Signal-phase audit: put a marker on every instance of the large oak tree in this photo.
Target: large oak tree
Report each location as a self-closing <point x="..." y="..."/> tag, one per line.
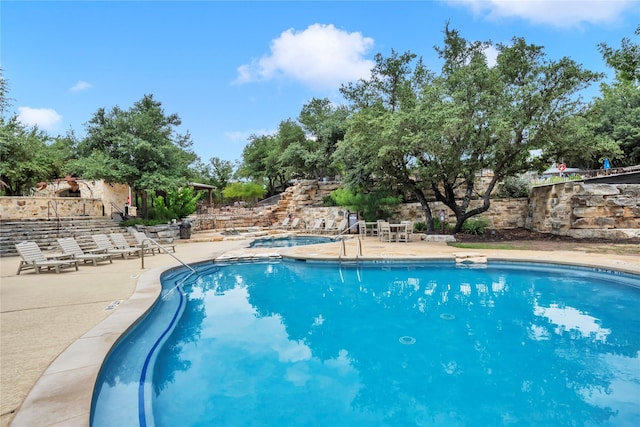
<point x="138" y="146"/>
<point x="423" y="132"/>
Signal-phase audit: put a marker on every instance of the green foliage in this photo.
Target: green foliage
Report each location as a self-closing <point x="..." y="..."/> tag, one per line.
<point x="329" y="201"/>
<point x="138" y="146"/>
<point x="261" y="163"/>
<point x="248" y="192"/>
<point x="615" y="122"/>
<point x="514" y="187"/>
<point x="475" y="226"/>
<point x="182" y="202"/>
<point x="419" y="226"/>
<point x="299" y="150"/>
<point x="625" y="60"/>
<point x="177" y="204"/>
<point x="418" y="131"/>
<point x="26" y="157"/>
<point x="371" y="206"/>
<point x="437" y="226"/>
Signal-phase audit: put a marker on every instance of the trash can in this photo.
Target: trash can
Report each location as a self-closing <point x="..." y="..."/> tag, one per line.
<point x="353" y="223"/>
<point x="185" y="230"/>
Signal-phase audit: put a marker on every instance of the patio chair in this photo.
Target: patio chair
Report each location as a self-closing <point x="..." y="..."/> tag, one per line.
<point x="103" y="242"/>
<point x="33" y="258"/>
<point x="150" y="246"/>
<point x="384" y="231"/>
<point x="284" y="224"/>
<point x="405" y="235"/>
<point x="70" y="246"/>
<point x="294" y="224"/>
<point x="362" y="228"/>
<point x="330" y="227"/>
<point x="120" y="242"/>
<point x="318" y="226"/>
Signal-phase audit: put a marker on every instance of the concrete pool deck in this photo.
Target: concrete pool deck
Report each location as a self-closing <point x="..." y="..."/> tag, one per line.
<point x="55" y="329"/>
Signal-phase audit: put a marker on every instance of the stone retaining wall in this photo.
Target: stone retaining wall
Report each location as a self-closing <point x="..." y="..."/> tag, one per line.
<point x="583" y="210"/>
<point x="96" y="199"/>
<point x="48" y="207"/>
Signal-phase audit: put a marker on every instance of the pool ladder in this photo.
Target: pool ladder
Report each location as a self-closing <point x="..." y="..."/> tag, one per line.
<point x="343" y="249"/>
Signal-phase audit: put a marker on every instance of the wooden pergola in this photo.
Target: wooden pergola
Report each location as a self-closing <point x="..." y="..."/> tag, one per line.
<point x="209" y="188"/>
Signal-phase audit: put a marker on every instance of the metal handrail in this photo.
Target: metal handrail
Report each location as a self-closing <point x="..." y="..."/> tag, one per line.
<point x="269" y="201"/>
<point x="113" y="205"/>
<point x="346" y="230"/>
<point x="148" y="239"/>
<point x="54" y="205"/>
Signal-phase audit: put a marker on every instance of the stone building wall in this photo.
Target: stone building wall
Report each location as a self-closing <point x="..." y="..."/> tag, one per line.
<point x="95" y="200"/>
<point x="15" y="207"/>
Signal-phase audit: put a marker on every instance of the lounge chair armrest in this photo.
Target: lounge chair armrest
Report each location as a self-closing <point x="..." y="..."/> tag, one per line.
<point x="96" y="251"/>
<point x="59" y="256"/>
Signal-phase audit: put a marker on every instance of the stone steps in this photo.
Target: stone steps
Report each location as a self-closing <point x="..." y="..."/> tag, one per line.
<point x="45" y="232"/>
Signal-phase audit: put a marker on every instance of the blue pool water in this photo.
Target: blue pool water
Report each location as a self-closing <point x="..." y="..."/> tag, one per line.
<point x="289" y="343"/>
<point x="287" y="241"/>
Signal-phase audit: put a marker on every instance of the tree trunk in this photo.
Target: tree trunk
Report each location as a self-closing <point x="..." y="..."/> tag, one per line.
<point x="425" y="206"/>
<point x="145" y="211"/>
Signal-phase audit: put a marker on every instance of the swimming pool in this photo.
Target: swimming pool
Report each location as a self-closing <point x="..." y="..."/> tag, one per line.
<point x="288" y="241"/>
<point x="430" y="343"/>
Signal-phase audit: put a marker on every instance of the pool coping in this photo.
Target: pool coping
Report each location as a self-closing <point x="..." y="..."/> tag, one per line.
<point x="64" y="392"/>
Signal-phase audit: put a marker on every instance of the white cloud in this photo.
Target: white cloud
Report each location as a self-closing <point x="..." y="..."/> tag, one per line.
<point x="491" y="53"/>
<point x="244" y="136"/>
<point x="321" y="56"/>
<point x="81" y="85"/>
<point x="565" y="13"/>
<point x="44" y="118"/>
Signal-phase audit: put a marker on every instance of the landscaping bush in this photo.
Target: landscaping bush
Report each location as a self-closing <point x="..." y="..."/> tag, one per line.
<point x="475" y="226"/>
<point x="370" y="205"/>
<point x="329" y="201"/>
<point x="419" y="226"/>
<point x="514" y="187"/>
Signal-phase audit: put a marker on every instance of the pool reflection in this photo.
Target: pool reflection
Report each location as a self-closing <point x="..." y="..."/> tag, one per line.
<point x="505" y="351"/>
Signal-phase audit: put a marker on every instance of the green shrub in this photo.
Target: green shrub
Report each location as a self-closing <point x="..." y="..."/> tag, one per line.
<point x="419" y="226"/>
<point x="370" y="205"/>
<point x="437" y="225"/>
<point x="475" y="226"/>
<point x="514" y="187"/>
<point x="329" y="201"/>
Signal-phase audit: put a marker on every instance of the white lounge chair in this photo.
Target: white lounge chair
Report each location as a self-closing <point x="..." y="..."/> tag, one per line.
<point x="141" y="237"/>
<point x="317" y="226"/>
<point x="33" y="258"/>
<point x="120" y="242"/>
<point x="103" y="242"/>
<point x="70" y="246"/>
<point x="294" y="224"/>
<point x="330" y="227"/>
<point x="284" y="224"/>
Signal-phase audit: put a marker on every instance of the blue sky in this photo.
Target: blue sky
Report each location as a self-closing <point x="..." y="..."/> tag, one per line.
<point x="232" y="69"/>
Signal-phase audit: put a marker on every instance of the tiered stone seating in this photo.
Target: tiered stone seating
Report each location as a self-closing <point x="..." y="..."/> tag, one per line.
<point x="45" y="232"/>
